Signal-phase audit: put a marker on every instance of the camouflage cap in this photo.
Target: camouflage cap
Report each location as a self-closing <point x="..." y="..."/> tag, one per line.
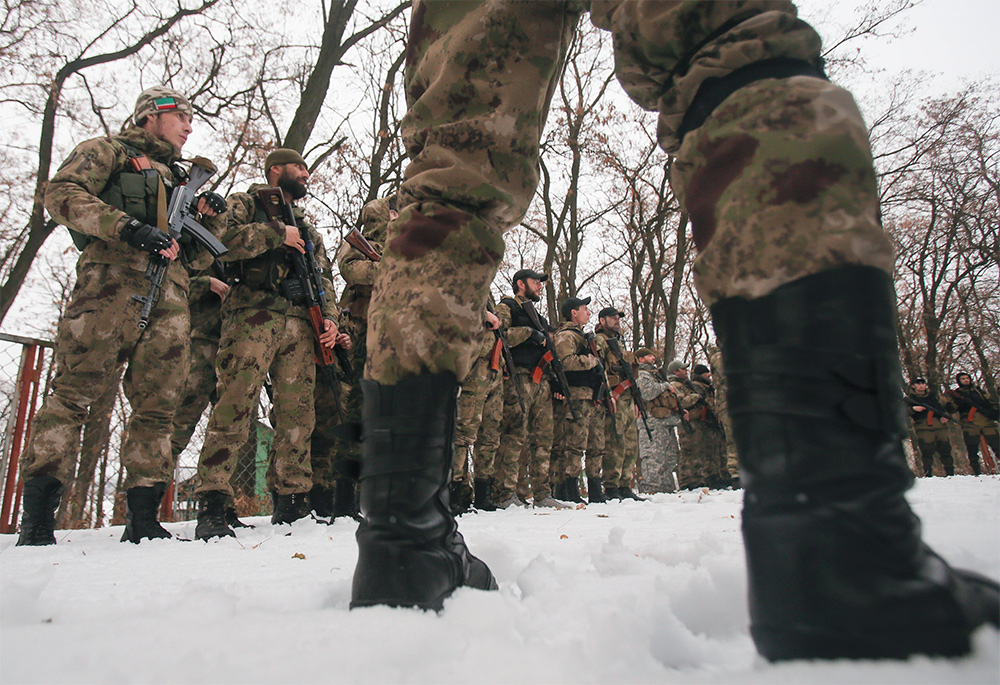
<point x="159" y="99"/>
<point x="676" y="365"/>
<point x="644" y="352"/>
<point x="282" y="155"/>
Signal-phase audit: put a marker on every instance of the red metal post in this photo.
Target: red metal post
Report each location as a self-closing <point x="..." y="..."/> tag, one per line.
<point x="28" y="376"/>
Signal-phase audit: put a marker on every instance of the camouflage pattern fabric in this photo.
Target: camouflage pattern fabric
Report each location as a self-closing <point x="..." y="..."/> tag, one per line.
<point x="717" y="365"/>
<point x="659" y="455"/>
<point x="778" y="181"/>
<point x="488" y="438"/>
<point x="702" y="459"/>
<point x="96" y="334"/>
<point x="597" y="436"/>
<point x="471" y="405"/>
<point x="531" y="432"/>
<point x="325" y="448"/>
<point x="621" y="445"/>
<point x="933" y="434"/>
<point x="570" y="436"/>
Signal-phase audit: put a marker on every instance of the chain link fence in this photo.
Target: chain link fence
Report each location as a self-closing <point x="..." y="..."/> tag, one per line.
<point x="94" y="497"/>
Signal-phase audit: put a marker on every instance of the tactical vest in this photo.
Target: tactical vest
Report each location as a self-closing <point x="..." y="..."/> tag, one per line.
<point x="589" y="378"/>
<point x="133" y="192"/>
<point x="266" y="271"/>
<point x="663" y="405"/>
<point x="527" y="354"/>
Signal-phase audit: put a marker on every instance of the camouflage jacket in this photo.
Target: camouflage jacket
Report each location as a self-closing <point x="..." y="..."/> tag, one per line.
<point x="578" y="361"/>
<point x="72" y="199"/>
<point x="248" y="235"/>
<point x="687" y="395"/>
<point x="974" y="406"/>
<point x="658" y="393"/>
<point x="206" y="309"/>
<point x="613" y="361"/>
<point x="925" y="420"/>
<point x="357" y="270"/>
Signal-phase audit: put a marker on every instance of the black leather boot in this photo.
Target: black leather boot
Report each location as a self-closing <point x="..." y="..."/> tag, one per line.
<point x="212" y="517"/>
<point x="140" y="519"/>
<point x="40" y="498"/>
<point x="290" y="508"/>
<point x="484" y="494"/>
<point x="595" y="493"/>
<point x="460" y="496"/>
<point x="571" y="490"/>
<point x="345" y="501"/>
<point x="625" y="492"/>
<point x="321" y="501"/>
<point x="410" y="552"/>
<point x="835" y="564"/>
<point x="233" y="519"/>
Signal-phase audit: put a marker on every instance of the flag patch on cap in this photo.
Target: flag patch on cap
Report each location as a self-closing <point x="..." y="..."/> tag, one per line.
<point x="164" y="103"/>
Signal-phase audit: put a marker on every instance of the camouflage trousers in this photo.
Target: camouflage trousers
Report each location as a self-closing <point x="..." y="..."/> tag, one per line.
<point x="198" y="392"/>
<point x="659" y="455"/>
<point x="325" y="447"/>
<point x="488" y="438"/>
<point x="597" y="437"/>
<point x="96" y="335"/>
<point x="256" y="342"/>
<point x="621" y="446"/>
<point x="520" y="430"/>
<point x="702" y="460"/>
<point x="476" y="391"/>
<point x="936" y="440"/>
<point x="778" y="181"/>
<point x="570" y="440"/>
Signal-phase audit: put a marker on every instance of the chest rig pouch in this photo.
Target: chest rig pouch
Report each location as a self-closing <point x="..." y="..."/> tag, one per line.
<point x="271" y="270"/>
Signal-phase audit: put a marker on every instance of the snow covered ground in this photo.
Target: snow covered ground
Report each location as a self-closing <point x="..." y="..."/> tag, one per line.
<point x="614" y="593"/>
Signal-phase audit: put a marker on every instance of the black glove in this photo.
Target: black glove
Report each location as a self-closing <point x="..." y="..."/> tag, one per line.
<point x="214" y="200"/>
<point x="144" y="237"/>
<point x="537" y="337"/>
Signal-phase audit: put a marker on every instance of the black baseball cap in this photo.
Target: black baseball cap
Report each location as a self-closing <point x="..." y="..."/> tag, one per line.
<point x="609" y="311"/>
<point x="918" y="379"/>
<point x="570" y="304"/>
<point x="525" y="274"/>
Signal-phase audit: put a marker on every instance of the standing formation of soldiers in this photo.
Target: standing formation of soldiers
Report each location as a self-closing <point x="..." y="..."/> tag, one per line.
<point x="773" y="167"/>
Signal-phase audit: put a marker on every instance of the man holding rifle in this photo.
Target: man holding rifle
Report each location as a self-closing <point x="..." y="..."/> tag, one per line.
<point x="112" y="193"/>
<point x="978" y="416"/>
<point x="930" y="415"/>
<point x="266" y="329"/>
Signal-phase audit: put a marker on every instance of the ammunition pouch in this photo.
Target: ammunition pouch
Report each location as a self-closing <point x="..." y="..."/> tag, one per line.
<point x="269" y="271"/>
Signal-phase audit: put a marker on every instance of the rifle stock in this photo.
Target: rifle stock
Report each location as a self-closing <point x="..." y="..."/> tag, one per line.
<point x="555" y="363"/>
<point x="359" y="242"/>
<point x="604" y="395"/>
<point x="633" y="385"/>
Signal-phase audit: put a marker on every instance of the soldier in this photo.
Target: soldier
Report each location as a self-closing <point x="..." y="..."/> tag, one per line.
<point x="929" y="415"/>
<point x="701" y="459"/>
<point x="264" y="332"/>
<point x="112" y="194"/>
<point x="775" y="171"/>
<point x="715" y="362"/>
<point x="621" y="442"/>
<point x="978" y="417"/>
<point x="585" y="379"/>
<point x="484" y="378"/>
<point x="205" y="300"/>
<point x="659" y="454"/>
<point x="358" y="270"/>
<point x="529" y="431"/>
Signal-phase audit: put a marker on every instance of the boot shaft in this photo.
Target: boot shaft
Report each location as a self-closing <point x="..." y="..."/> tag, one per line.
<point x="40" y="498"/>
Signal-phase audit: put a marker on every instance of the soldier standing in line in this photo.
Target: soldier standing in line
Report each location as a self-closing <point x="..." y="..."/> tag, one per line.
<point x="701" y="455"/>
<point x="529" y="431"/>
<point x="112" y="194"/>
<point x="621" y="442"/>
<point x="264" y="332"/>
<point x="659" y="454"/>
<point x="484" y="377"/>
<point x="709" y="412"/>
<point x="774" y="167"/>
<point x="598" y="433"/>
<point x="929" y="414"/>
<point x="717" y="365"/>
<point x="584" y="378"/>
<point x="978" y="417"/>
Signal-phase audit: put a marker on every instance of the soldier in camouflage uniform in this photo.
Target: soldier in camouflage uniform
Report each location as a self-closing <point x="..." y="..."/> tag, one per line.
<point x="659" y="454"/>
<point x="528" y="432"/>
<point x="931" y="426"/>
<point x="702" y="458"/>
<point x="775" y="171"/>
<point x="484" y="378"/>
<point x="717" y="365"/>
<point x="978" y="416"/>
<point x="112" y="194"/>
<point x="621" y="441"/>
<point x="584" y="378"/>
<point x="263" y="332"/>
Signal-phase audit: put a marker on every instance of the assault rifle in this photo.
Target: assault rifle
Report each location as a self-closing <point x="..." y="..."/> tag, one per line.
<point x="631" y="383"/>
<point x="550" y="354"/>
<point x="180" y="221"/>
<point x="306" y="287"/>
<point x="939" y="410"/>
<point x="604" y="395"/>
<point x="987" y="411"/>
<point x="359" y="242"/>
<point x="508" y="358"/>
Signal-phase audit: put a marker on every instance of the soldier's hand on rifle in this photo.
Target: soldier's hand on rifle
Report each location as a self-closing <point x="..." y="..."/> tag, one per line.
<point x="917" y="407"/>
<point x="614" y="405"/>
<point x="328" y="338"/>
<point x="149" y="239"/>
<point x="294" y="240"/>
<point x="211" y="204"/>
<point x="492" y="321"/>
<point x="537" y="337"/>
<point x="559" y="396"/>
<point x="344" y="340"/>
<point x="218" y="287"/>
<point x="637" y="412"/>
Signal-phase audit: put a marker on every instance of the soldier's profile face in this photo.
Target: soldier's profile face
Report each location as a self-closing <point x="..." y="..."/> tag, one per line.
<point x="532" y="289"/>
<point x="581" y="315"/>
<point x="293" y="179"/>
<point x="612" y="322"/>
<point x="171" y="127"/>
